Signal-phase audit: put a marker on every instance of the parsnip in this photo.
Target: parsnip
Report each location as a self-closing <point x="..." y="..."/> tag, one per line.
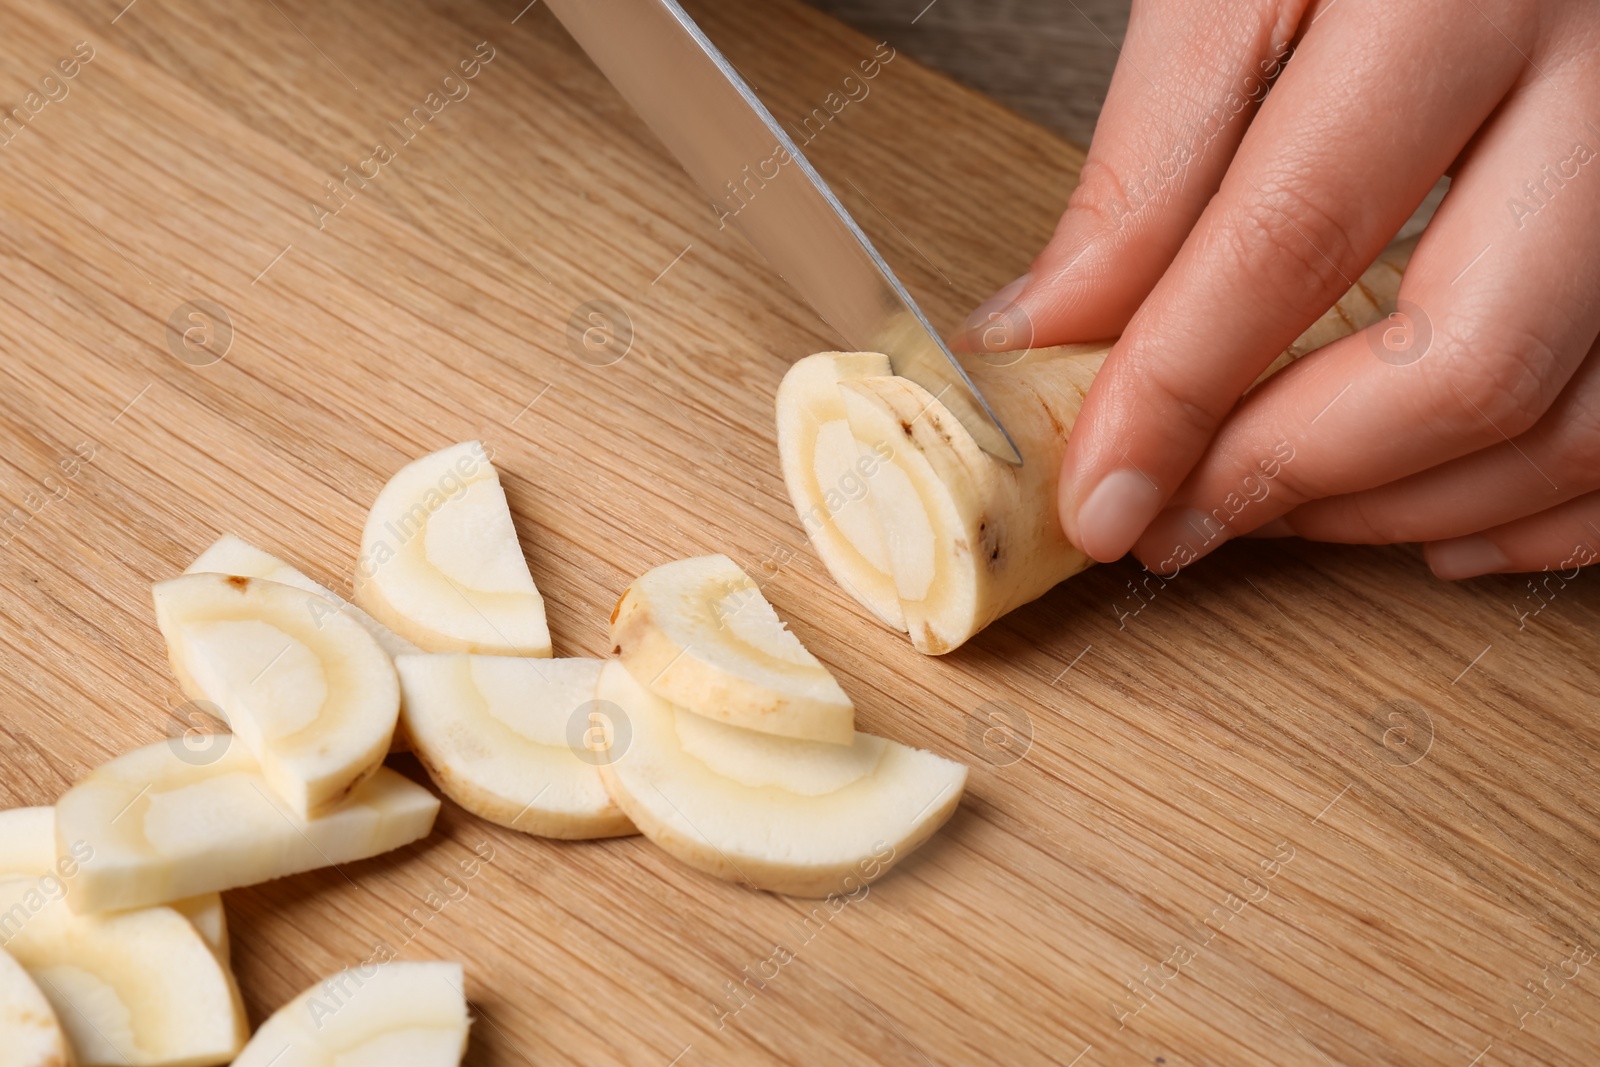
<point x="932" y="535"/>
<point x="28" y="850"/>
<point x="309" y="690"/>
<point x="504" y="737"/>
<point x="30" y="1033"/>
<point x="441" y="564"/>
<point x="699" y="634"/>
<point x="162" y="828"/>
<point x="400" y="1014"/>
<point x="806" y="818"/>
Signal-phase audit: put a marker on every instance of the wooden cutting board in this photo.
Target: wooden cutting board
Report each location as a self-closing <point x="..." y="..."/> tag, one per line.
<point x="1303" y="805"/>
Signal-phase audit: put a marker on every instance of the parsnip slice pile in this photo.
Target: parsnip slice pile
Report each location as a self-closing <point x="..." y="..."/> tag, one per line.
<point x="311" y="692"/>
<point x="28" y="850"/>
<point x="384" y="1015"/>
<point x="699" y="633"/>
<point x="931" y="534"/>
<point x="496" y="733"/>
<point x="163" y="828"/>
<point x="800" y="817"/>
<point x="30" y="1033"/>
<point x="440" y="563"/>
<point x="116" y="939"/>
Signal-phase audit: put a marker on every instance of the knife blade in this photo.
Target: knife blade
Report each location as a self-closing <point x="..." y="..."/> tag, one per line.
<point x="742" y="158"/>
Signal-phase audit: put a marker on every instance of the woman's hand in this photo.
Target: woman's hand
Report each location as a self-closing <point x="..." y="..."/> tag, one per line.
<point x="1215" y="221"/>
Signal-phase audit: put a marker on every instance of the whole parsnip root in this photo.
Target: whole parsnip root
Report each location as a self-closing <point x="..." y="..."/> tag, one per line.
<point x="930" y="533"/>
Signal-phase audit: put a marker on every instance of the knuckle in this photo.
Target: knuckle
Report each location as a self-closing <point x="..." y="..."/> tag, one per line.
<point x="1378" y="525"/>
<point x="1293" y="486"/>
<point x="1575" y="443"/>
<point x="1101" y="195"/>
<point x="1488" y="387"/>
<point x="1183" y="417"/>
<point x="1299" y="246"/>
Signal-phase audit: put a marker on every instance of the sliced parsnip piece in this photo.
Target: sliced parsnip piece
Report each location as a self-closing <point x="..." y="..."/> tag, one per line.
<point x="400" y="1014"/>
<point x="311" y="693"/>
<point x="440" y="562"/>
<point x="30" y="1033"/>
<point x="504" y="737"/>
<point x="231" y="554"/>
<point x="699" y="634"/>
<point x="798" y="817"/>
<point x="164" y="828"/>
<point x="28" y="850"/>
<point x="933" y="535"/>
<point x="136" y="988"/>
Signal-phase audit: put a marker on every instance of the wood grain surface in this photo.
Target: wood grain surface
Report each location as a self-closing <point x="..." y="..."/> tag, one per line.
<point x="1302" y="804"/>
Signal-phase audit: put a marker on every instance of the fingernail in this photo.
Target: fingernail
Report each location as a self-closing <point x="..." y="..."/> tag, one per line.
<point x="1115" y="513"/>
<point x="997" y="303"/>
<point x="1464" y="557"/>
<point x="1275" y="528"/>
<point x="999" y="324"/>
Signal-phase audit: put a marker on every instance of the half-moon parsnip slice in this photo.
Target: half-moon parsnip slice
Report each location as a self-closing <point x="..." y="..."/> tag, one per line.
<point x="311" y="693"/>
<point x="231" y="554"/>
<point x="506" y="737"/>
<point x="441" y="564"/>
<point x="400" y="1014"/>
<point x="798" y="817"/>
<point x="164" y="826"/>
<point x="699" y="634"/>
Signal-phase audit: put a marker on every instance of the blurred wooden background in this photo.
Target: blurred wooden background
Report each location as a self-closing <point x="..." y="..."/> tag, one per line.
<point x="1049" y="60"/>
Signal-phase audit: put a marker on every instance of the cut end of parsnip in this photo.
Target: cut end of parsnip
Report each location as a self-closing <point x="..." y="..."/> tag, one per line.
<point x="779" y="814"/>
<point x="30" y="1033"/>
<point x="886" y="525"/>
<point x="930" y="533"/>
<point x="28" y="850"/>
<point x="440" y="562"/>
<point x="698" y="633"/>
<point x="307" y="688"/>
<point x="826" y="467"/>
<point x="163" y="826"/>
<point x="373" y="1015"/>
<point x="510" y="739"/>
<point x="138" y="988"/>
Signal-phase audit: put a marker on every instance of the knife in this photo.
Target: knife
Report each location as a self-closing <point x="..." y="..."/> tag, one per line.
<point x="700" y="107"/>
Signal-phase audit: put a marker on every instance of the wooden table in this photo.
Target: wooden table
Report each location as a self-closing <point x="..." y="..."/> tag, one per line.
<point x="1303" y="805"/>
